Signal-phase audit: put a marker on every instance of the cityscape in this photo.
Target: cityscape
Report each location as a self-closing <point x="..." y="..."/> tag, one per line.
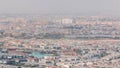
<point x="59" y="41"/>
<point x="59" y="33"/>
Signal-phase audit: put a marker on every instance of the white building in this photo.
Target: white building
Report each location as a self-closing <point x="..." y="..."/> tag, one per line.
<point x="67" y="21"/>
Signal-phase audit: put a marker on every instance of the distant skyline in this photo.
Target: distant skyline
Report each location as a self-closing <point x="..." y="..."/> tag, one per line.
<point x="87" y="7"/>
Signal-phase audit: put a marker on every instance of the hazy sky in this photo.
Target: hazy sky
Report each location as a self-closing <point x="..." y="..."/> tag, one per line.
<point x="60" y="6"/>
